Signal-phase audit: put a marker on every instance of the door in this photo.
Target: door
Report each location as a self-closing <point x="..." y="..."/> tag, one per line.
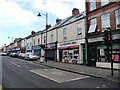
<point x="84" y="56"/>
<point x="93" y="56"/>
<point x="60" y="55"/>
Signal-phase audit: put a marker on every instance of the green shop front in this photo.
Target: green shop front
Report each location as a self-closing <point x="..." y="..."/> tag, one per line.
<point x="97" y="51"/>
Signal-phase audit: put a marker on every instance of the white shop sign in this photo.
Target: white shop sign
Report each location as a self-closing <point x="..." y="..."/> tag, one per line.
<point x="97" y="39"/>
<point x="71" y="43"/>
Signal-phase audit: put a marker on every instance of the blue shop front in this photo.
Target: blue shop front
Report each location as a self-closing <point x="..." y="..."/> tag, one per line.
<point x="37" y="50"/>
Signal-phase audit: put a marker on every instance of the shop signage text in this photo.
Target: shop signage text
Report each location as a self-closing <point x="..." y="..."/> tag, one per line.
<point x="68" y="43"/>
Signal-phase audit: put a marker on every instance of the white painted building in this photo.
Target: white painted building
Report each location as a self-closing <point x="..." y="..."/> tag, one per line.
<point x="71" y="38"/>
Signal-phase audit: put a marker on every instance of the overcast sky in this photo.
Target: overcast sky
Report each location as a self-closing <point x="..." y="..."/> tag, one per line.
<point x="19" y="17"/>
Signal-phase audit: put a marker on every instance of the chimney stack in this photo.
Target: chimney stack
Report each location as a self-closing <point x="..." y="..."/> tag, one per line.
<point x="75" y="11"/>
<point x="33" y="32"/>
<point x="48" y="26"/>
<point x="58" y="21"/>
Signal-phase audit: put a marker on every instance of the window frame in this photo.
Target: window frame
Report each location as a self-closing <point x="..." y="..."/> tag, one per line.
<point x="38" y="40"/>
<point x="92" y="5"/>
<point x="105" y="19"/>
<point x="79" y="28"/>
<point x="104" y="3"/>
<point x="117" y="16"/>
<point x="64" y="33"/>
<point x="44" y="39"/>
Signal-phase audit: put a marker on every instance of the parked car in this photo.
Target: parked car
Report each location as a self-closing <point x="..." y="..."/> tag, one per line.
<point x="15" y="55"/>
<point x="21" y="55"/>
<point x="10" y="54"/>
<point x="30" y="56"/>
<point x="3" y="54"/>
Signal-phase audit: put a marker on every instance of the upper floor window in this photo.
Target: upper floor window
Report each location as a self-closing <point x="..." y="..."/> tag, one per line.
<point x="34" y="41"/>
<point x="117" y="14"/>
<point x="44" y="39"/>
<point x="79" y="29"/>
<point x="64" y="34"/>
<point x="51" y="37"/>
<point x="93" y="24"/>
<point x="93" y="21"/>
<point x="38" y="40"/>
<point x="104" y="2"/>
<point x="92" y="5"/>
<point x="105" y="20"/>
<point x="64" y="31"/>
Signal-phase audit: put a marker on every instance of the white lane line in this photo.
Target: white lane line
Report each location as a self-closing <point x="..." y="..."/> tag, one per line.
<point x="15" y="64"/>
<point x="76" y="79"/>
<point x="45" y="76"/>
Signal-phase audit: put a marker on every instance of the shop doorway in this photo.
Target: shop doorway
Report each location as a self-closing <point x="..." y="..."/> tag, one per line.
<point x="60" y="55"/>
<point x="92" y="55"/>
<point x="84" y="56"/>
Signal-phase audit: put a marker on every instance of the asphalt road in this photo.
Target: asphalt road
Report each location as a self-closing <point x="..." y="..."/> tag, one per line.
<point x="17" y="73"/>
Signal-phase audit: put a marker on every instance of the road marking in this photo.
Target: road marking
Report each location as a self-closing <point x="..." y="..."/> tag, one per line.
<point x="76" y="79"/>
<point x="97" y="87"/>
<point x="45" y="76"/>
<point x="0" y="87"/>
<point x="58" y="75"/>
<point x="103" y="85"/>
<point x="15" y="64"/>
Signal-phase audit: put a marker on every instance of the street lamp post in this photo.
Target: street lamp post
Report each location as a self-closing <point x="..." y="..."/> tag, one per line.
<point x="46" y="15"/>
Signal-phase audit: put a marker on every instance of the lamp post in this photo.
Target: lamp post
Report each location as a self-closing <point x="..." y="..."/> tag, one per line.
<point x="46" y="15"/>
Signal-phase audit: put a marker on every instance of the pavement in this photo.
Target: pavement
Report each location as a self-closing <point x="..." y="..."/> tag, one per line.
<point x="84" y="70"/>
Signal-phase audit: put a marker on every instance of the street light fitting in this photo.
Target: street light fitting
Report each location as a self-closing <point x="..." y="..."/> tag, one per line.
<point x="39" y="14"/>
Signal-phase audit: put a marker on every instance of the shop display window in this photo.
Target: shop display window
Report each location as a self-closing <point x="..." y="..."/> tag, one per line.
<point x="102" y="55"/>
<point x="71" y="54"/>
<point x="116" y="55"/>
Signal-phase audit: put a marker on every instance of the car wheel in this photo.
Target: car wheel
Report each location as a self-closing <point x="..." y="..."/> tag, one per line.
<point x="28" y="59"/>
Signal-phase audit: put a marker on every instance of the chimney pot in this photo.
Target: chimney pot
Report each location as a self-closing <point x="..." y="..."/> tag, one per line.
<point x="48" y="26"/>
<point x="58" y="21"/>
<point x="75" y="11"/>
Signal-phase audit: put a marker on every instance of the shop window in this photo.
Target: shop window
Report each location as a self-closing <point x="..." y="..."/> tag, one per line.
<point x="116" y="55"/>
<point x="101" y="55"/>
<point x="105" y="20"/>
<point x="71" y="54"/>
<point x="92" y="5"/>
<point x="117" y="13"/>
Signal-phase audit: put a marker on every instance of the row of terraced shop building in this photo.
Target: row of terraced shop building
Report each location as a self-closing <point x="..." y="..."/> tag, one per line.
<point x="79" y="38"/>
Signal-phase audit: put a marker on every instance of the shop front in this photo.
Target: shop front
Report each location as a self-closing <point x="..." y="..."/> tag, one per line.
<point x="23" y="49"/>
<point x="71" y="51"/>
<point x="51" y="51"/>
<point x="97" y="52"/>
<point x="37" y="50"/>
